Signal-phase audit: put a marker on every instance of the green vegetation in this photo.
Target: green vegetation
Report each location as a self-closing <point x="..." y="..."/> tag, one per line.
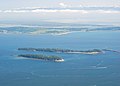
<point x="94" y="51"/>
<point x="56" y="50"/>
<point x="41" y="57"/>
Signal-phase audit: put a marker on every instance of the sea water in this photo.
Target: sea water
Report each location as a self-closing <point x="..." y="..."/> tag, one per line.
<point x="76" y="70"/>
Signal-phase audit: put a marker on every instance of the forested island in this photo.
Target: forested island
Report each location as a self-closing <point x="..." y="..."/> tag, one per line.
<point x="42" y="57"/>
<point x="57" y="50"/>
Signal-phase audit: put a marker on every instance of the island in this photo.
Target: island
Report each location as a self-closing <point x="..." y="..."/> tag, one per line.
<point x="42" y="57"/>
<point x="57" y="50"/>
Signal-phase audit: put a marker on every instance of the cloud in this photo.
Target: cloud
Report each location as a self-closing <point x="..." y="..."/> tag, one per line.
<point x="15" y="11"/>
<point x="108" y="11"/>
<point x="1" y="11"/>
<point x="63" y="5"/>
<point x="43" y="10"/>
<point x="46" y="11"/>
<point x="61" y="10"/>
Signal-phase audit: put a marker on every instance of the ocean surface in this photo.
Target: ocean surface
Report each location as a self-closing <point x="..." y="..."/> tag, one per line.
<point x="76" y="70"/>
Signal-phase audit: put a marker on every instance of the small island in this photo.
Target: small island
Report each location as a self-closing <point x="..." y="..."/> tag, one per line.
<point x="42" y="57"/>
<point x="57" y="50"/>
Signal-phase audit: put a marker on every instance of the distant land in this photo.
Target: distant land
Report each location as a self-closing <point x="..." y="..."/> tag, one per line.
<point x="55" y="30"/>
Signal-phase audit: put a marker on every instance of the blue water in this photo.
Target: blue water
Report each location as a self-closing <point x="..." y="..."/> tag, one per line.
<point x="77" y="70"/>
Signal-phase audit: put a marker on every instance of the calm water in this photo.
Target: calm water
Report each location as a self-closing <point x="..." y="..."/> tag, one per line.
<point x="77" y="70"/>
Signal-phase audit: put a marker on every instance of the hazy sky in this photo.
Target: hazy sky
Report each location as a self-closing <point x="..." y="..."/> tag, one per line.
<point x="6" y="4"/>
<point x="25" y="11"/>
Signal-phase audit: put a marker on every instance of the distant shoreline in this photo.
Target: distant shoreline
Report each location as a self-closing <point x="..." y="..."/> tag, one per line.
<point x="57" y="30"/>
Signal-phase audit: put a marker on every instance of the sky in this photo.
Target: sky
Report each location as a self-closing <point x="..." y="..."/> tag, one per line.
<point x="61" y="11"/>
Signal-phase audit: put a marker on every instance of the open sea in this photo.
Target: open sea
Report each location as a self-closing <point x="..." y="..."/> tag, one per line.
<point x="76" y="70"/>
